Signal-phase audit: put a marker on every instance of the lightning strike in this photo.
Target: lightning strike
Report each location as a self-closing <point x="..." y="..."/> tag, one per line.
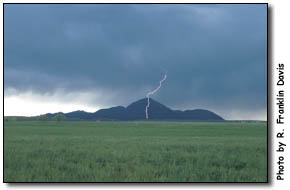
<point x="151" y="93"/>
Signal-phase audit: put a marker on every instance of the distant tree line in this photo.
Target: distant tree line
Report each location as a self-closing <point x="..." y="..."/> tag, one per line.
<point x="58" y="117"/>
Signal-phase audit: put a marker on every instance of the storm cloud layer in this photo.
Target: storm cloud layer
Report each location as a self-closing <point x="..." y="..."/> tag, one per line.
<point x="215" y="55"/>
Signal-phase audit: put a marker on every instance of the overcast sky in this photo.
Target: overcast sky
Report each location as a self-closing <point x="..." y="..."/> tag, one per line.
<point x="87" y="57"/>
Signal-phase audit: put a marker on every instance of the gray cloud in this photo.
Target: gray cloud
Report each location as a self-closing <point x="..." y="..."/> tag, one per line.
<point x="215" y="55"/>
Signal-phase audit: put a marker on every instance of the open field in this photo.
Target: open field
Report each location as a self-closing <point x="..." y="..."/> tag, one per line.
<point x="68" y="151"/>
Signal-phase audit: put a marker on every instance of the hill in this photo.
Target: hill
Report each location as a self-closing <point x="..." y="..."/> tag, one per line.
<point x="136" y="111"/>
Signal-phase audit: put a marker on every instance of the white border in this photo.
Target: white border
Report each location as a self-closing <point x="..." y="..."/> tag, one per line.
<point x="280" y="52"/>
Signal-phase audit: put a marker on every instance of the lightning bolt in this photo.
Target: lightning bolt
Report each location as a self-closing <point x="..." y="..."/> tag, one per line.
<point x="153" y="92"/>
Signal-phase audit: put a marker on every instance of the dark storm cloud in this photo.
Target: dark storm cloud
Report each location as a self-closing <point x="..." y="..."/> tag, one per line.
<point x="215" y="55"/>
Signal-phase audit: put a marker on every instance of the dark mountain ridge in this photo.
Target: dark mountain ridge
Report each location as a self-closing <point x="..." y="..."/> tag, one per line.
<point x="136" y="111"/>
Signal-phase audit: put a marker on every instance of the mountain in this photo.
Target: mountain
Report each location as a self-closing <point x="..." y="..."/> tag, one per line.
<point x="136" y="111"/>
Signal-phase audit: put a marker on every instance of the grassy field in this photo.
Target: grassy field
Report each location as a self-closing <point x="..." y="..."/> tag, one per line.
<point x="67" y="151"/>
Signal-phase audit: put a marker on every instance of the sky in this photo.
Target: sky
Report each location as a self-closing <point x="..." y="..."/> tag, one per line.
<point x="88" y="57"/>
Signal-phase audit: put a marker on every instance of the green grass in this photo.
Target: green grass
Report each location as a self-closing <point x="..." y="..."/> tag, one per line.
<point x="134" y="152"/>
